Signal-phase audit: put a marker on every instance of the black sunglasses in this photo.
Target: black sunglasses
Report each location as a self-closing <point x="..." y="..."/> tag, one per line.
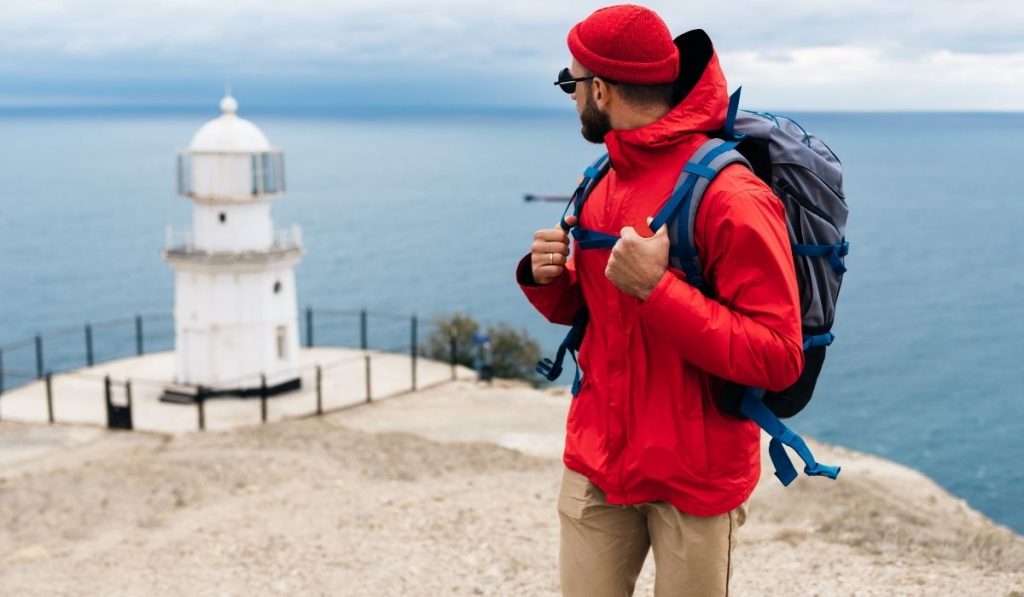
<point x="568" y="83"/>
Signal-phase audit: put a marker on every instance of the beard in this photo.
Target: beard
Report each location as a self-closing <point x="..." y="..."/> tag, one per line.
<point x="595" y="123"/>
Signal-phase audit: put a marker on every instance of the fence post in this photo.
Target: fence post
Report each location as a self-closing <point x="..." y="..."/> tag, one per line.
<point x="309" y="326"/>
<point x="369" y="394"/>
<point x="413" y="350"/>
<point x="200" y="399"/>
<point x="49" y="396"/>
<point x="89" y="359"/>
<point x="363" y="340"/>
<point x="128" y="399"/>
<point x="454" y="347"/>
<point x="138" y="336"/>
<point x="107" y="397"/>
<point x="263" y="398"/>
<point x="319" y="391"/>
<point x="39" y="356"/>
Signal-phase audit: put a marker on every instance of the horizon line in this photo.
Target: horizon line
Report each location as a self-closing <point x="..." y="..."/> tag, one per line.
<point x="161" y="109"/>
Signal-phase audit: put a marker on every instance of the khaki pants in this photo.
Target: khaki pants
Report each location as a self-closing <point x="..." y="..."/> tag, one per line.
<point x="603" y="547"/>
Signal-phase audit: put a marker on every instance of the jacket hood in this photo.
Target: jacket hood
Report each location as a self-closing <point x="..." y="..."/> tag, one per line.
<point x="702" y="107"/>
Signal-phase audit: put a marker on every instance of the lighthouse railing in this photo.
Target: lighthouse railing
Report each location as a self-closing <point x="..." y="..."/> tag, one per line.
<point x="178" y="240"/>
<point x="288" y="238"/>
<point x="182" y="242"/>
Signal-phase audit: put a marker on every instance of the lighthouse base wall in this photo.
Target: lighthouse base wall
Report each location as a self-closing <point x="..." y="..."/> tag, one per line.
<point x="184" y="394"/>
<point x="233" y="326"/>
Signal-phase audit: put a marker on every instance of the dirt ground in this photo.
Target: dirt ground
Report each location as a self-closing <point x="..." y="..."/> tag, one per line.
<point x="446" y="492"/>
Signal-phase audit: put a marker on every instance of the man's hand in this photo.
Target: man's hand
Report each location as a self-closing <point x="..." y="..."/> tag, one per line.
<point x="637" y="263"/>
<point x="549" y="252"/>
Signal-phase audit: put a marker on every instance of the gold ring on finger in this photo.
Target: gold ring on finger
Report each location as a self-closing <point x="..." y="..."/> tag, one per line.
<point x="551" y="258"/>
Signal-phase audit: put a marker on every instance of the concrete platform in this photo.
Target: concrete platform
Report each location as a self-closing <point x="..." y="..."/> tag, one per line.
<point x="79" y="396"/>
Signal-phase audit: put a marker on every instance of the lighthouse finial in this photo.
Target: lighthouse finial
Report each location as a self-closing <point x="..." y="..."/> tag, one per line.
<point x="228" y="105"/>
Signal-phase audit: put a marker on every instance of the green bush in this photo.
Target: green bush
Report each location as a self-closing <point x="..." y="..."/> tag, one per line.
<point x="514" y="354"/>
<point x="438" y="345"/>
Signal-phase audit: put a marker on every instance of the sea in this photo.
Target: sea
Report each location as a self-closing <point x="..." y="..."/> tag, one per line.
<point x="423" y="212"/>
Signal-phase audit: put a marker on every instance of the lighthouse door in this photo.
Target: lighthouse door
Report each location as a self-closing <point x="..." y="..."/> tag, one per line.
<point x="119" y="416"/>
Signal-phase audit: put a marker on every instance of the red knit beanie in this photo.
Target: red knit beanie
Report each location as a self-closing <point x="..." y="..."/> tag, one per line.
<point x="626" y="43"/>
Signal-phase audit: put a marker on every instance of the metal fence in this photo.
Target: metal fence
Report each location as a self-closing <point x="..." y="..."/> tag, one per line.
<point x="76" y="347"/>
<point x="60" y="358"/>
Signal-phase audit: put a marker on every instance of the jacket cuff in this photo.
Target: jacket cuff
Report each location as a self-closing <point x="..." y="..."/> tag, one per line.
<point x="537" y="291"/>
<point x="524" y="273"/>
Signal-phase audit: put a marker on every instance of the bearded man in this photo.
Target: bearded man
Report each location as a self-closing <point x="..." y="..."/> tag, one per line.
<point x="651" y="462"/>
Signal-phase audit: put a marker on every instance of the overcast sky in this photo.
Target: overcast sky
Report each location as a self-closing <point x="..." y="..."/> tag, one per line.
<point x="787" y="54"/>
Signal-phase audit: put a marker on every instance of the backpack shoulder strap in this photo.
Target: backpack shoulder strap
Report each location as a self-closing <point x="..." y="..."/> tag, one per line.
<point x="551" y="369"/>
<point x="680" y="211"/>
<point x="591" y="176"/>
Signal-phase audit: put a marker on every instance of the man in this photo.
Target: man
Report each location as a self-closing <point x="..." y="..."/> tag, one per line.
<point x="650" y="460"/>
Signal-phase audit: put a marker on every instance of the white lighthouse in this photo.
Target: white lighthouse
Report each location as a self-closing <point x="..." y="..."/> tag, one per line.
<point x="235" y="312"/>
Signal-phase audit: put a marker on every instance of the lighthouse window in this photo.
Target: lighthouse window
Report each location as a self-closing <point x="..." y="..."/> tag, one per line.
<point x="277" y="287"/>
<point x="282" y="344"/>
<point x="223" y="217"/>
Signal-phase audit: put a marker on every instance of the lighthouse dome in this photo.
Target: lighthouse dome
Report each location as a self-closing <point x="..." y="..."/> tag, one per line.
<point x="229" y="133"/>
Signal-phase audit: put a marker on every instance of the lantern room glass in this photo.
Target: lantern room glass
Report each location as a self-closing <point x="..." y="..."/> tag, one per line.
<point x="264" y="172"/>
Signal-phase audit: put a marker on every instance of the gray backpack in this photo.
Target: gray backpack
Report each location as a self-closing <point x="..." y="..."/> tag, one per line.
<point x="805" y="174"/>
<point x="808" y="178"/>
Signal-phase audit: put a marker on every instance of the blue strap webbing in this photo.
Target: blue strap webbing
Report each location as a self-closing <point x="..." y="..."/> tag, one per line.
<point x="590" y="176"/>
<point x="551" y="370"/>
<point x="730" y="118"/>
<point x="592" y="239"/>
<point x="754" y="409"/>
<point x="680" y="198"/>
<point x="565" y="226"/>
<point x="825" y="339"/>
<point x="835" y="254"/>
<point x="577" y="379"/>
<point x="700" y="170"/>
<point x="679" y="202"/>
<point x="683" y="193"/>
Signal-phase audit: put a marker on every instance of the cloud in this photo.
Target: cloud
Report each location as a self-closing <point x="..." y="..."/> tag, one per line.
<point x="841" y="78"/>
<point x="860" y="54"/>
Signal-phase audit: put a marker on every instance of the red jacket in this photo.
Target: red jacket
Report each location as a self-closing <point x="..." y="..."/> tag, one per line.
<point x="644" y="426"/>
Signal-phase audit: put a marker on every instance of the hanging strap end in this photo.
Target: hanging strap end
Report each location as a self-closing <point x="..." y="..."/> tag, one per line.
<point x="823" y="470"/>
<point x="549" y="369"/>
<point x="784" y="469"/>
<point x="786" y="477"/>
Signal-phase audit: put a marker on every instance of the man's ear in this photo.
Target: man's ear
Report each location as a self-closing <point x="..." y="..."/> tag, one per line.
<point x="601" y="93"/>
